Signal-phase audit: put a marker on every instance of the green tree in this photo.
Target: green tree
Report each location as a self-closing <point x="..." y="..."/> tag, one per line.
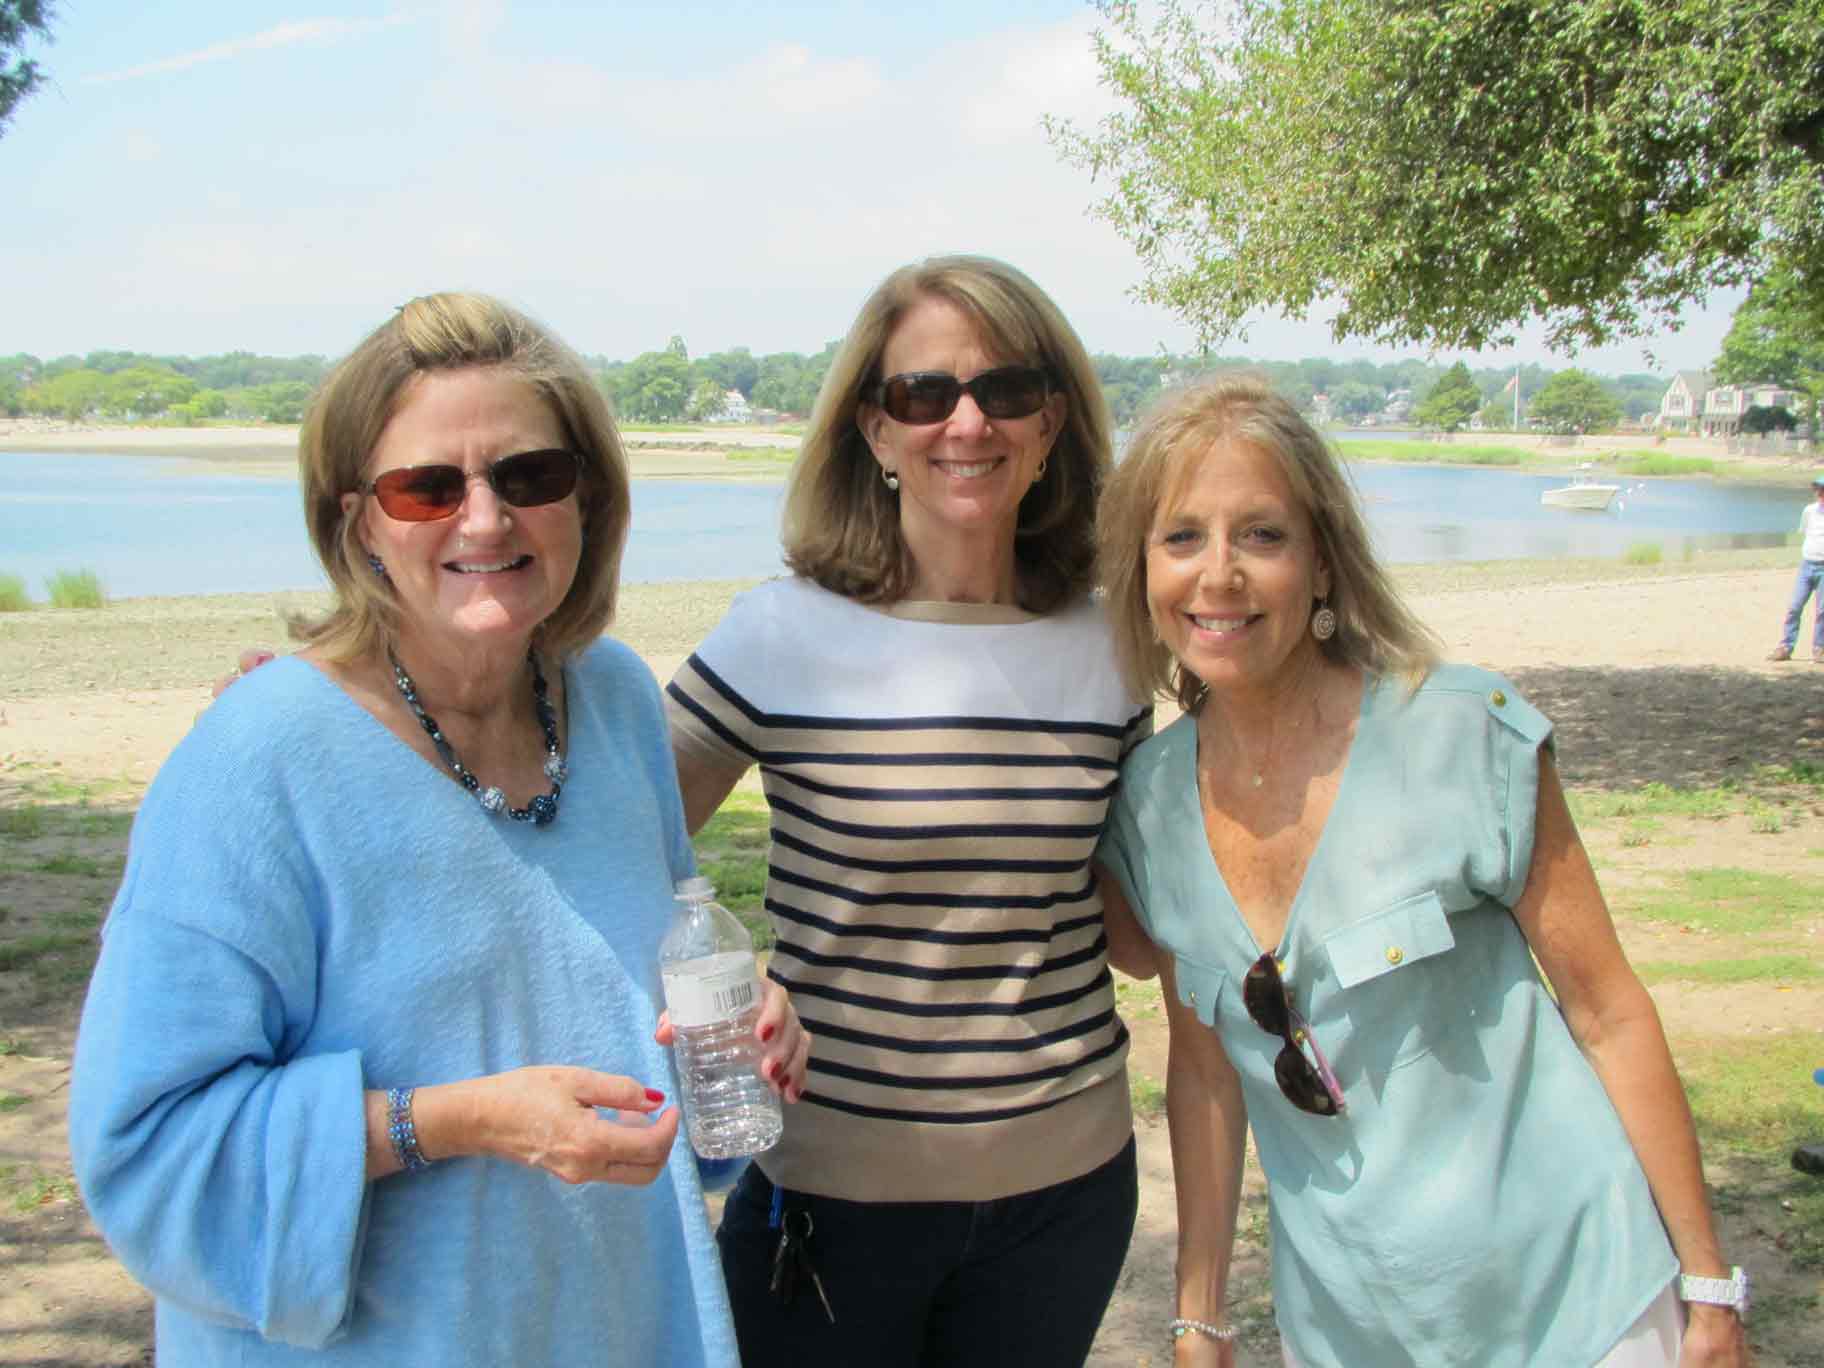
<point x="142" y="391"/>
<point x="1355" y="399"/>
<point x="1777" y="337"/>
<point x="1445" y="170"/>
<point x="71" y="394"/>
<point x="707" y="401"/>
<point x="20" y="76"/>
<point x="1575" y="401"/>
<point x="654" y="387"/>
<point x="1451" y="402"/>
<point x="735" y="369"/>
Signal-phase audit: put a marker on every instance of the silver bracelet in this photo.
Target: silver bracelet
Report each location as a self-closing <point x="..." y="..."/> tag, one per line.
<point x="1184" y="1325"/>
<point x="403" y="1131"/>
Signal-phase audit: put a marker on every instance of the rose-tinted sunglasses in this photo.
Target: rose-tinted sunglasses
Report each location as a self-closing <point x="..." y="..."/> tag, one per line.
<point x="427" y="493"/>
<point x="1307" y="1087"/>
<point x="920" y="398"/>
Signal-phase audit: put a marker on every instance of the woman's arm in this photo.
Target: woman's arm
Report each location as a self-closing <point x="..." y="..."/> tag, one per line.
<point x="1209" y="1128"/>
<point x="1613" y="1020"/>
<point x="704" y="785"/>
<point x="1129" y="949"/>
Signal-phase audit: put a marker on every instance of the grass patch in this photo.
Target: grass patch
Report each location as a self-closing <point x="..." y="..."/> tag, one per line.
<point x="22" y="823"/>
<point x="731" y="853"/>
<point x="75" y="589"/>
<point x="13" y="597"/>
<point x="38" y="1188"/>
<point x="1754" y="1096"/>
<point x="1652" y="800"/>
<point x="1644" y="553"/>
<point x="83" y="866"/>
<point x="1800" y="772"/>
<point x="10" y="1102"/>
<point x="1439" y="453"/>
<point x="1146" y="1094"/>
<point x="1760" y="969"/>
<point x="11" y="1046"/>
<point x="29" y="950"/>
<point x="1726" y="901"/>
<point x="1660" y="463"/>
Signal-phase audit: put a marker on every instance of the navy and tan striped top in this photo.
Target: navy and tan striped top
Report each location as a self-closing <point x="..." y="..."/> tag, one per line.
<point x="938" y="775"/>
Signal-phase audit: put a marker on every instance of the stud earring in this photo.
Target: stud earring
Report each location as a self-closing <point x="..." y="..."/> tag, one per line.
<point x="377" y="565"/>
<point x="1323" y="621"/>
<point x="1040" y="473"/>
<point x="891" y="479"/>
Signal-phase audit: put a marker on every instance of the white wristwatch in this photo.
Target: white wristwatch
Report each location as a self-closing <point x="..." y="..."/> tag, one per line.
<point x="1731" y="1291"/>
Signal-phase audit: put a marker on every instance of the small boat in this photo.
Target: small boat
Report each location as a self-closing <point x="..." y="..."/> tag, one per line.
<point x="1582" y="492"/>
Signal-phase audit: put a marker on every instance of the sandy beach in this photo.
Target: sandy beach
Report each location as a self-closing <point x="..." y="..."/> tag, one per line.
<point x="1654" y="675"/>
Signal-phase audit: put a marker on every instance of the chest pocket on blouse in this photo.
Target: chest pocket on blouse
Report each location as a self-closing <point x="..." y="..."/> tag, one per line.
<point x="1387" y="971"/>
<point x="1200" y="987"/>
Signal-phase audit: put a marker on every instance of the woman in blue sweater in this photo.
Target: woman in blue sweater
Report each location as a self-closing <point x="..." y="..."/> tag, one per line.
<point x="368" y="1065"/>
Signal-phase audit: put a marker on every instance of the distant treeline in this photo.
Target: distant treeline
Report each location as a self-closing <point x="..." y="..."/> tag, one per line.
<point x="670" y="385"/>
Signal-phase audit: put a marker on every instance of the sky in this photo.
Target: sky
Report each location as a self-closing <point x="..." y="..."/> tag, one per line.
<point x="200" y="178"/>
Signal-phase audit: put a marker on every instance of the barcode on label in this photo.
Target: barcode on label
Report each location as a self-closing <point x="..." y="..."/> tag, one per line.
<point x="736" y="999"/>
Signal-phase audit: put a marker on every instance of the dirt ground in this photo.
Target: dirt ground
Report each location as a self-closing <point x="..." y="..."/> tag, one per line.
<point x="1652" y="677"/>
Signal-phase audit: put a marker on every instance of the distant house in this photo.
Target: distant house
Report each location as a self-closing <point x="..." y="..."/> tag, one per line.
<point x="734" y="409"/>
<point x="1681" y="407"/>
<point x="1726" y="406"/>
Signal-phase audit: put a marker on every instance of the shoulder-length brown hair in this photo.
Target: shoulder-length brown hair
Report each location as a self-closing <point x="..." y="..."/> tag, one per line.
<point x="444" y="332"/>
<point x="1374" y="628"/>
<point x="841" y="523"/>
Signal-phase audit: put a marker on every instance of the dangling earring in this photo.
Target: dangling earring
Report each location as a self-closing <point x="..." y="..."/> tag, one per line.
<point x="1323" y="621"/>
<point x="891" y="477"/>
<point x="378" y="566"/>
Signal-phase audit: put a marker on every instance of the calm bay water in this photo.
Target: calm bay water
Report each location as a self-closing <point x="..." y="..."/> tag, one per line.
<point x="148" y="526"/>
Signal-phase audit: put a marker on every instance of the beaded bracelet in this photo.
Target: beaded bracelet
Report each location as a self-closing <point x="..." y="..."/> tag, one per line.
<point x="1184" y="1325"/>
<point x="402" y="1132"/>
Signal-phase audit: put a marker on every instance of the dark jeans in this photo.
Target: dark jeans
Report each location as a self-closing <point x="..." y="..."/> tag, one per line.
<point x="1018" y="1281"/>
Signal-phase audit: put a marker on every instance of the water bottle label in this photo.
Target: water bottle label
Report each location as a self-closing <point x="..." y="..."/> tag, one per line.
<point x="701" y="992"/>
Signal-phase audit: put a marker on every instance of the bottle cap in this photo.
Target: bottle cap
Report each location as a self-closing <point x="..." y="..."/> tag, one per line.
<point x="694" y="887"/>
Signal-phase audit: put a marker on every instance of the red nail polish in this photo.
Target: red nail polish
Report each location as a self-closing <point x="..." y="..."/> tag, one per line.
<point x="767" y="1033"/>
<point x="654" y="1095"/>
<point x="773" y="1069"/>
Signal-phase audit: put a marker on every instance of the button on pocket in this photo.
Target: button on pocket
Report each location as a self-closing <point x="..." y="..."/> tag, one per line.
<point x="1411" y="930"/>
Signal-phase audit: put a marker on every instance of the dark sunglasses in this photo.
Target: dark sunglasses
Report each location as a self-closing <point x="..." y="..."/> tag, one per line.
<point x="428" y="492"/>
<point x="923" y="397"/>
<point x="1307" y="1087"/>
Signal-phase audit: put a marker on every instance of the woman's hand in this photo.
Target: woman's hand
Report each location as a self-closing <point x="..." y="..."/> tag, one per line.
<point x="785" y="1046"/>
<point x="248" y="661"/>
<point x="545" y="1117"/>
<point x="1714" y="1338"/>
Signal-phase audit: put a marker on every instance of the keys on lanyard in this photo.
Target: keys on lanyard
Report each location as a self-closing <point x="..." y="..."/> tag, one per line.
<point x="792" y="1255"/>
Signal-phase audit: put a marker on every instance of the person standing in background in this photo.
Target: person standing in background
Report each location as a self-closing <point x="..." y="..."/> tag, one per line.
<point x="1809" y="582"/>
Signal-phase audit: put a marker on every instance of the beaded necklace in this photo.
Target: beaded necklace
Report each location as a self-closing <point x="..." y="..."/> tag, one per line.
<point x="542" y="810"/>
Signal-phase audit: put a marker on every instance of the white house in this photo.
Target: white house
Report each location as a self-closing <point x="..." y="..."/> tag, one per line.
<point x="1681" y="407"/>
<point x="734" y="409"/>
<point x="1726" y="406"/>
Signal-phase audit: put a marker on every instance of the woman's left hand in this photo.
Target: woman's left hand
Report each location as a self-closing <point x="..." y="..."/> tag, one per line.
<point x="1714" y="1338"/>
<point x="785" y="1046"/>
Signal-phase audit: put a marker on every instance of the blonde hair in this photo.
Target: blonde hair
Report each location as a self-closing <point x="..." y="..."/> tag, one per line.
<point x="841" y="523"/>
<point x="447" y="332"/>
<point x="1374" y="628"/>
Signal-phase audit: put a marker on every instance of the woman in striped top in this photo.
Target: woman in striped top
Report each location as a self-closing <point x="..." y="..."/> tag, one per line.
<point x="933" y="703"/>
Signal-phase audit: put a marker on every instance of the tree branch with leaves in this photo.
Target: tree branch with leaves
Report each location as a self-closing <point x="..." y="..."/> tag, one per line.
<point x="1446" y="172"/>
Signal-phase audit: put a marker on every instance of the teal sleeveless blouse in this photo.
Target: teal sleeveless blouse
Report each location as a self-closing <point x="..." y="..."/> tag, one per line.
<point x="1479" y="1202"/>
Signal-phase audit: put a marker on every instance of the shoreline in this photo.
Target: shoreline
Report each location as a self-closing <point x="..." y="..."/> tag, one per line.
<point x="760" y="454"/>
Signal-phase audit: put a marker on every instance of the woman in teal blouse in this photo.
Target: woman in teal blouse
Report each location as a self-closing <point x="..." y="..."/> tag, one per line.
<point x="1348" y="857"/>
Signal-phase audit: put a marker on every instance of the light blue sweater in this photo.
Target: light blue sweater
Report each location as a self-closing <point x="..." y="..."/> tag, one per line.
<point x="310" y="910"/>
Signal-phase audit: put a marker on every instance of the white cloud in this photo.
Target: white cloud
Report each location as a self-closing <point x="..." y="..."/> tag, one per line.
<point x="285" y="34"/>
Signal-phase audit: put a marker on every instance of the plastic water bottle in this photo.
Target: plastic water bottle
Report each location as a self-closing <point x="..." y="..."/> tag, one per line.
<point x="713" y="993"/>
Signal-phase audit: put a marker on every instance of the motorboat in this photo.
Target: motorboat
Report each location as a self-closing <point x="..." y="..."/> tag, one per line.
<point x="1582" y="492"/>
